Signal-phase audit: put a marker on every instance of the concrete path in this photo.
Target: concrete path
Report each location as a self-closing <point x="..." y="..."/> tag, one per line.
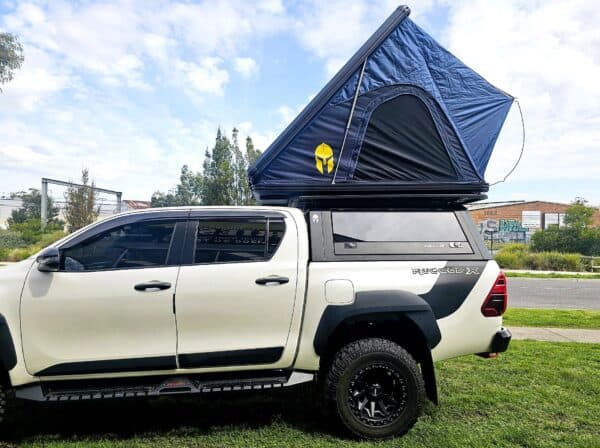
<point x="556" y="334"/>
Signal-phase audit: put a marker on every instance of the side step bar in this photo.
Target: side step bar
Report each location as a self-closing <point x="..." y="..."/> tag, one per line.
<point x="169" y="386"/>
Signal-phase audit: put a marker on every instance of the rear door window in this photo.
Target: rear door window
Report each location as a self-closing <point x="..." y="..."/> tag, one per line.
<point x="381" y="233"/>
<point x="231" y="240"/>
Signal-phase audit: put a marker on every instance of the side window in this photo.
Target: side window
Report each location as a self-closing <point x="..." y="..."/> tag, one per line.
<point x="385" y="233"/>
<point x="231" y="240"/>
<point x="276" y="232"/>
<point x="137" y="245"/>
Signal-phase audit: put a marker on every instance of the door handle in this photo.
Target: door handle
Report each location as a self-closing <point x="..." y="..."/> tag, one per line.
<point x="154" y="284"/>
<point x="272" y="280"/>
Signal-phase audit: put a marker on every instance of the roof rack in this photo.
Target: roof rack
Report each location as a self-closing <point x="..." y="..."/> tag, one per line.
<point x="371" y="197"/>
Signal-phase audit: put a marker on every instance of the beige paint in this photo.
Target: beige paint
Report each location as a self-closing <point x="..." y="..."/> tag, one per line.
<point x="88" y="316"/>
<point x="467" y="331"/>
<point x="221" y="308"/>
<point x="97" y="315"/>
<point x="464" y="331"/>
<point x="339" y="292"/>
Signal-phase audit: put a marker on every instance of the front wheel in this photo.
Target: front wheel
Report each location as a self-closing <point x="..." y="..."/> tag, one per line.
<point x="375" y="388"/>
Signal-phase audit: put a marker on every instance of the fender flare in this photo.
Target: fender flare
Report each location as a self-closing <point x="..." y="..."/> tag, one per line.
<point x="8" y="355"/>
<point x="385" y="306"/>
<point x="378" y="306"/>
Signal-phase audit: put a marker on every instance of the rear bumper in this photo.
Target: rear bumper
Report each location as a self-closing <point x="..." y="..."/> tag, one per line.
<point x="501" y="340"/>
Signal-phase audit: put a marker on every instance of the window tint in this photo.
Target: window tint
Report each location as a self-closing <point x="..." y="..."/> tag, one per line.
<point x="237" y="240"/>
<point x="137" y="245"/>
<point x="398" y="232"/>
<point x="276" y="231"/>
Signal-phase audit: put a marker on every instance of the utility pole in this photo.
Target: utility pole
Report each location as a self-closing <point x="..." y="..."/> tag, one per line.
<point x="44" y="204"/>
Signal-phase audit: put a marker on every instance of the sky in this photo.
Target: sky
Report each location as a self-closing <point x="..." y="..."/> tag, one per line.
<point x="134" y="89"/>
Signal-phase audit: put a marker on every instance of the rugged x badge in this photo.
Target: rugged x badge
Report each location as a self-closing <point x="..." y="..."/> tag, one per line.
<point x="324" y="158"/>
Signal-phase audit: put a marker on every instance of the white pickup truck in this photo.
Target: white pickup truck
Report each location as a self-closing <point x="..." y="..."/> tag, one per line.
<point x="211" y="299"/>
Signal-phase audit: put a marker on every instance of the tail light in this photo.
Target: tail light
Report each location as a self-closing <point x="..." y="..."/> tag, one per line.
<point x="496" y="301"/>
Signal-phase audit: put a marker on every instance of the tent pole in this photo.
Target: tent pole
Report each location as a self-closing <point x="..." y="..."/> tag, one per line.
<point x="360" y="77"/>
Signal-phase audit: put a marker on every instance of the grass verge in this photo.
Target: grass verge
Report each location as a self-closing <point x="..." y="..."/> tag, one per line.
<point x="553" y="275"/>
<point x="536" y="394"/>
<point x="529" y="317"/>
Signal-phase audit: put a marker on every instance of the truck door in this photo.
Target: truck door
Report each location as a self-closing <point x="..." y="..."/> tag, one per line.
<point x="235" y="300"/>
<point x="110" y="306"/>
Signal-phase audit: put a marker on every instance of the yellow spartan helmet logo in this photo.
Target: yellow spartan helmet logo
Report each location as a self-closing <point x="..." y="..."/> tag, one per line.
<point x="324" y="158"/>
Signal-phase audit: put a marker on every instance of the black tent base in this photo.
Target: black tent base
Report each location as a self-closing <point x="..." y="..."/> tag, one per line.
<point x="371" y="196"/>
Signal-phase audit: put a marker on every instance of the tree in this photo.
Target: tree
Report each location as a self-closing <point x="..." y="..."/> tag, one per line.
<point x="252" y="155"/>
<point x="223" y="180"/>
<point x="11" y="56"/>
<point x="218" y="174"/>
<point x="577" y="236"/>
<point x="252" y="152"/>
<point x="80" y="207"/>
<point x="31" y="207"/>
<point x="579" y="216"/>
<point x="187" y="192"/>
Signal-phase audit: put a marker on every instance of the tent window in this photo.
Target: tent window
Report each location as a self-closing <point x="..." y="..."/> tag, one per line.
<point x="402" y="143"/>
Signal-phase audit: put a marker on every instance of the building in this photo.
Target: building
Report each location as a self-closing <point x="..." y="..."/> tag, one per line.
<point x="518" y="220"/>
<point x="131" y="204"/>
<point x="7" y="205"/>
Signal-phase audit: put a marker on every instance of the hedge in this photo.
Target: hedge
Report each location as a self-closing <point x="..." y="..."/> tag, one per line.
<point x="518" y="256"/>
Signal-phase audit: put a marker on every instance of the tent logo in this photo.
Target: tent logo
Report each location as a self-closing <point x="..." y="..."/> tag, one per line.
<point x="324" y="158"/>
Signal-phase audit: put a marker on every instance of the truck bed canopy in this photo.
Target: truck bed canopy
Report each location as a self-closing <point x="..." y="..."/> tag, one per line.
<point x="403" y="116"/>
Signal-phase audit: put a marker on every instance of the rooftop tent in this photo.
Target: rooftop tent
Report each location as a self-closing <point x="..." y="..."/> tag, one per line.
<point x="403" y="116"/>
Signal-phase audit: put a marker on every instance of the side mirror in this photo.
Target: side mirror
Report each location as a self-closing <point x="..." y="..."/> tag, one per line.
<point x="49" y="260"/>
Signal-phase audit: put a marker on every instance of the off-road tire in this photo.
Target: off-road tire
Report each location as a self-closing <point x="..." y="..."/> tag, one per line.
<point x="358" y="358"/>
<point x="7" y="407"/>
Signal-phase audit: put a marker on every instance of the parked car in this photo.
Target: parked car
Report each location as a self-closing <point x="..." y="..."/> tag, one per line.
<point x="210" y="299"/>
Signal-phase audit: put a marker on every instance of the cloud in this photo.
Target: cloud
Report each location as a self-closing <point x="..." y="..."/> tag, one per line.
<point x="548" y="55"/>
<point x="34" y="83"/>
<point x="287" y="113"/>
<point x="207" y="76"/>
<point x="334" y="29"/>
<point x="245" y="66"/>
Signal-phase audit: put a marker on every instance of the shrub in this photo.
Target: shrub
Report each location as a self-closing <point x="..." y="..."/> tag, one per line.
<point x="49" y="238"/>
<point x="21" y="253"/>
<point x="556" y="261"/>
<point x="10" y="239"/>
<point x="31" y="230"/>
<point x="518" y="256"/>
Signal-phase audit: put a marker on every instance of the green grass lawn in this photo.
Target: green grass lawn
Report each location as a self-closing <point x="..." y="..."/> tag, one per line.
<point x="532" y="317"/>
<point x="589" y="276"/>
<point x="537" y="394"/>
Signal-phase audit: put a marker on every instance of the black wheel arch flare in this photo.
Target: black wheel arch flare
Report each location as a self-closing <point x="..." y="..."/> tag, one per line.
<point x="8" y="355"/>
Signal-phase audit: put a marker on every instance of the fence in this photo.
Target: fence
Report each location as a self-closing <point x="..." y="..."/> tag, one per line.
<point x="591" y="263"/>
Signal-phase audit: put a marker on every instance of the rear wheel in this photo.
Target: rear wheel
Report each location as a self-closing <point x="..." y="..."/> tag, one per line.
<point x="375" y="388"/>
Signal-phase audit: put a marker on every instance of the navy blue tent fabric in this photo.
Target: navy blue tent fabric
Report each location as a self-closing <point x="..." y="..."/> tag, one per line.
<point x="420" y="118"/>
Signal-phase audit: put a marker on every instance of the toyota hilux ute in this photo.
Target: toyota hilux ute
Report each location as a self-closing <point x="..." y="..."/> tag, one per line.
<point x="201" y="300"/>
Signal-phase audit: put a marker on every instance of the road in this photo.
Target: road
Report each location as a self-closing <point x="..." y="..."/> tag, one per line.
<point x="554" y="293"/>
